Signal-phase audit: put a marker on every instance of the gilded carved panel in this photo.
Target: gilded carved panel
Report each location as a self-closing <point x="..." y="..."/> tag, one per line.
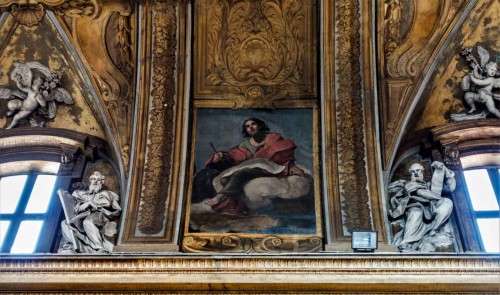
<point x="254" y="52"/>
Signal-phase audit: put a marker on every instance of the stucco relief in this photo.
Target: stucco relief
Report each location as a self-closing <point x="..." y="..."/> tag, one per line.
<point x="101" y="32"/>
<point x="479" y="85"/>
<point x="159" y="164"/>
<point x="246" y="43"/>
<point x="30" y="14"/>
<point x="38" y="92"/>
<point x="406" y="52"/>
<point x="351" y="148"/>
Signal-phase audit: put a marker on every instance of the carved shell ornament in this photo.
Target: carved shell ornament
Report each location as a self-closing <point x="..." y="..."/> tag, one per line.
<point x="29" y="15"/>
<point x="31" y="12"/>
<point x="38" y="92"/>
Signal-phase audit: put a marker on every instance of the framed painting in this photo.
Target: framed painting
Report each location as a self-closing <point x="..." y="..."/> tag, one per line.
<point x="254" y="181"/>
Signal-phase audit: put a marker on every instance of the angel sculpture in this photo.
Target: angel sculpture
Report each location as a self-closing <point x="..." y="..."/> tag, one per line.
<point x="34" y="93"/>
<point x="479" y="84"/>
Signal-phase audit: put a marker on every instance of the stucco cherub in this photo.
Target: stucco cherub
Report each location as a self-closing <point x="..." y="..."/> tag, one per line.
<point x="479" y="85"/>
<point x="35" y="93"/>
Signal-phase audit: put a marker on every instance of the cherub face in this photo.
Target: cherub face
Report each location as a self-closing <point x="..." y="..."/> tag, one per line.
<point x="491" y="69"/>
<point x="36" y="84"/>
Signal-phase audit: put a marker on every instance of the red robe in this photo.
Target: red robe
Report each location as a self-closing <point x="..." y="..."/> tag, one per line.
<point x="276" y="148"/>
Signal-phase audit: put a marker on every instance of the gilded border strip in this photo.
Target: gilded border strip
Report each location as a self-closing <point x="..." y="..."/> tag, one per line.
<point x="351" y="147"/>
<point x="158" y="165"/>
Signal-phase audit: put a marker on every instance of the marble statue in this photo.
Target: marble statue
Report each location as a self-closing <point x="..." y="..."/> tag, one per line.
<point x="420" y="209"/>
<point x="479" y="85"/>
<point x="39" y="92"/>
<point x="91" y="216"/>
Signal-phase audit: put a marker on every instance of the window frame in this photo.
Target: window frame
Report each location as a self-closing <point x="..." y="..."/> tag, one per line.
<point x="21" y="147"/>
<point x="494" y="177"/>
<point x="50" y="218"/>
<point x="463" y="146"/>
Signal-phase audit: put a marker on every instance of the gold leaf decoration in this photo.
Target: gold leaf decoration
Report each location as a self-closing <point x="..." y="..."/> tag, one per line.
<point x="247" y="44"/>
<point x="76" y="8"/>
<point x="28" y="15"/>
<point x="32" y="12"/>
<point x="242" y="244"/>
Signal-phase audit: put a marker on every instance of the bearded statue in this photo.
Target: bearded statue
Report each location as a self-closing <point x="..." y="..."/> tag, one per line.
<point x="90" y="218"/>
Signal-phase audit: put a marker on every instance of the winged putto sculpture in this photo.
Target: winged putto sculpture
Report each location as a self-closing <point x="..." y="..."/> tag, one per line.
<point x="479" y="86"/>
<point x="38" y="90"/>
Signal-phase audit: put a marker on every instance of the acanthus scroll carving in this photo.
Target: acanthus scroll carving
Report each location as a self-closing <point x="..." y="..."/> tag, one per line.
<point x="234" y="243"/>
<point x="248" y="47"/>
<point x="256" y="97"/>
<point x="249" y="43"/>
<point x="77" y="8"/>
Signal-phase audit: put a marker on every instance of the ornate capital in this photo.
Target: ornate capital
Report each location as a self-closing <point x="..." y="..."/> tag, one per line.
<point x="451" y="153"/>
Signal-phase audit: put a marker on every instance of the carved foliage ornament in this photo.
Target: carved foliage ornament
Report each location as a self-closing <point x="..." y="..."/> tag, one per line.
<point x="31" y="12"/>
<point x="351" y="147"/>
<point x="248" y="43"/>
<point x="233" y="243"/>
<point x="160" y="144"/>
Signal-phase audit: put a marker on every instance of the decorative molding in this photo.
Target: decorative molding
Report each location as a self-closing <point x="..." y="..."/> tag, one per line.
<point x="315" y="263"/>
<point x="232" y="273"/>
<point x="349" y="99"/>
<point x="242" y="44"/>
<point x="237" y="244"/>
<point x="28" y="15"/>
<point x="158" y="167"/>
<point x="124" y="45"/>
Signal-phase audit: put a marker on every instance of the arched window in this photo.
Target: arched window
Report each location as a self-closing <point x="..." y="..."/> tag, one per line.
<point x="472" y="150"/>
<point x="34" y="163"/>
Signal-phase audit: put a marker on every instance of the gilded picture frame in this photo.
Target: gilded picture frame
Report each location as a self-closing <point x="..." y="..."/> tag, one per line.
<point x="274" y="211"/>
